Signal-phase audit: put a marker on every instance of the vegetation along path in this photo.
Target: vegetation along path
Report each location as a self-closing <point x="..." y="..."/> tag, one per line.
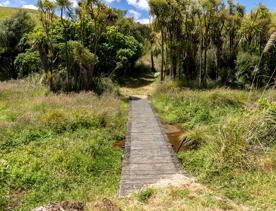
<point x="148" y="155"/>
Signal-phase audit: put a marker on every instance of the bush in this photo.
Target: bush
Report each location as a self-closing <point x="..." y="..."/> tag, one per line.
<point x="101" y="85"/>
<point x="55" y="119"/>
<point x="119" y="51"/>
<point x="28" y="62"/>
<point x="245" y="65"/>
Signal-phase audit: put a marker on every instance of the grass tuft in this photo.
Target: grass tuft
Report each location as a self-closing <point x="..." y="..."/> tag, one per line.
<point x="229" y="137"/>
<point x="144" y="195"/>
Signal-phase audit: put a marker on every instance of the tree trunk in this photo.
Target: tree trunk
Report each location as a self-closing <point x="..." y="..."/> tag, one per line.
<point x="152" y="61"/>
<point x="217" y="61"/>
<point x="162" y="55"/>
<point x="200" y="64"/>
<point x="204" y="75"/>
<point x="45" y="62"/>
<point x="174" y="67"/>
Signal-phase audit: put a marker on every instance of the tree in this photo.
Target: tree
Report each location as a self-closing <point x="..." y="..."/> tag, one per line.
<point x="42" y="40"/>
<point x="11" y="31"/>
<point x="65" y="7"/>
<point x="160" y="11"/>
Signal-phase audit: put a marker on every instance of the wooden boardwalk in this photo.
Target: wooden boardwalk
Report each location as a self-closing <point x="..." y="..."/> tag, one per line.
<point x="148" y="155"/>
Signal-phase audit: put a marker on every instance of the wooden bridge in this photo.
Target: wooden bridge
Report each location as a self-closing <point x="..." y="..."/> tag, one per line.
<point x="148" y="155"/>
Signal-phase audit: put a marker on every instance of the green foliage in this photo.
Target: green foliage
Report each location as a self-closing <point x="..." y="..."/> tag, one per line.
<point x="12" y="30"/>
<point x="246" y="64"/>
<point x="80" y="61"/>
<point x="26" y="63"/>
<point x="119" y="51"/>
<point x="74" y="52"/>
<point x="203" y="38"/>
<point x="65" y="143"/>
<point x="234" y="138"/>
<point x="104" y="85"/>
<point x="144" y="195"/>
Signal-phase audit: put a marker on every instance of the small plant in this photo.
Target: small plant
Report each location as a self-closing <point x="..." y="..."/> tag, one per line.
<point x="145" y="195"/>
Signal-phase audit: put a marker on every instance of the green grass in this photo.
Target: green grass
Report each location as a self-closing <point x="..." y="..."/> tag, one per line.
<point x="145" y="195"/>
<point x="6" y="12"/>
<point x="232" y="143"/>
<point x="56" y="147"/>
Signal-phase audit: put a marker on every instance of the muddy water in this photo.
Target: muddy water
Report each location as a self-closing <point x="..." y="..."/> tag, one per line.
<point x="120" y="144"/>
<point x="173" y="132"/>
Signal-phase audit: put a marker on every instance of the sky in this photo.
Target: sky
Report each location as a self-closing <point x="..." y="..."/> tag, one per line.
<point x="138" y="9"/>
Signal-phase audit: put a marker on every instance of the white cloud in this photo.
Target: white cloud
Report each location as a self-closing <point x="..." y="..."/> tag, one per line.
<point x="134" y="14"/>
<point x="74" y="3"/>
<point x="109" y="1"/>
<point x="143" y="21"/>
<point x="6" y="3"/>
<point x="140" y="4"/>
<point x="1" y="5"/>
<point x="30" y="6"/>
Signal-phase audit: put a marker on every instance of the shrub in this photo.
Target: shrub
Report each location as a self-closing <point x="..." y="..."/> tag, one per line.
<point x="28" y="62"/>
<point x="101" y="85"/>
<point x="245" y="65"/>
<point x="55" y="119"/>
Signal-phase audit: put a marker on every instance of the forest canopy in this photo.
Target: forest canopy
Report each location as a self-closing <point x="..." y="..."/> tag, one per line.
<point x="72" y="47"/>
<point x="200" y="43"/>
<point x="209" y="40"/>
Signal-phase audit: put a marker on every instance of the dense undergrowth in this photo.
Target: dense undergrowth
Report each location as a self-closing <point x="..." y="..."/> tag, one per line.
<point x="230" y="137"/>
<point x="57" y="147"/>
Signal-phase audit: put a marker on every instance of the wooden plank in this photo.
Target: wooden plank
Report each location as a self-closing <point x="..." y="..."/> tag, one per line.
<point x="148" y="155"/>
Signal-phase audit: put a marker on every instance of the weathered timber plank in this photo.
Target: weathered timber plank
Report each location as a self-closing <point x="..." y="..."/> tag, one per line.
<point x="148" y="155"/>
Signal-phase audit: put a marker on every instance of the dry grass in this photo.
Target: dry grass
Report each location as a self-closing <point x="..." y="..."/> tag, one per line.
<point x="177" y="193"/>
<point x="27" y="101"/>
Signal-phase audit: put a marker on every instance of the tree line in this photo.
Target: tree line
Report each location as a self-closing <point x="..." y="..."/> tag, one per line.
<point x="74" y="47"/>
<point x="205" y="41"/>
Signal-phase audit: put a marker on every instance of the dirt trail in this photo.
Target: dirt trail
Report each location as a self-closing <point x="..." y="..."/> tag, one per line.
<point x="140" y="86"/>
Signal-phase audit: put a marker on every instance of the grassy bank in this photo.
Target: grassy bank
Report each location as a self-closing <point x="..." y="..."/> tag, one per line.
<point x="230" y="140"/>
<point x="8" y="12"/>
<point x="56" y="147"/>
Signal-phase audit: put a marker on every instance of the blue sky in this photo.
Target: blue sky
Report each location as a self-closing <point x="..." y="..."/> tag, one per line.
<point x="138" y="9"/>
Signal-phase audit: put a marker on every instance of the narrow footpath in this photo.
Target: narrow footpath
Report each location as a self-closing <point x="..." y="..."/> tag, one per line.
<point x="148" y="155"/>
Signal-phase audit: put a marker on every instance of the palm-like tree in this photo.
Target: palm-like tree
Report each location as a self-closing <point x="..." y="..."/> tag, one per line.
<point x="65" y="6"/>
<point x="42" y="40"/>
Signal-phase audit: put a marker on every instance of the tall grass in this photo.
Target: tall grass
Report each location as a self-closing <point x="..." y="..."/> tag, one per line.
<point x="57" y="147"/>
<point x="235" y="139"/>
